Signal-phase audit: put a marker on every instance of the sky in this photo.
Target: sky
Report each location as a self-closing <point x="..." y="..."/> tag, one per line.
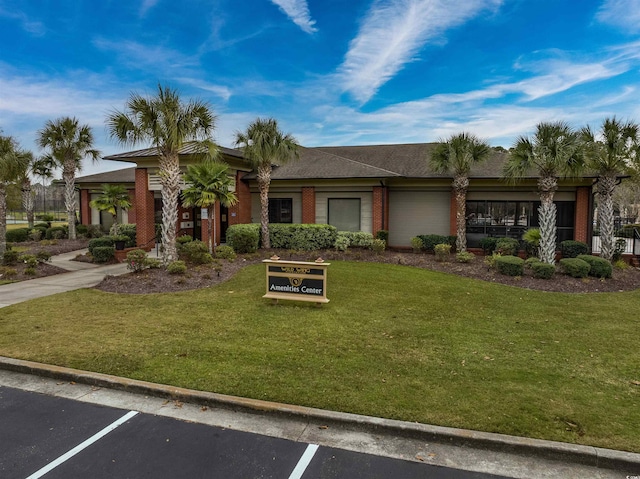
<point x="332" y="72"/>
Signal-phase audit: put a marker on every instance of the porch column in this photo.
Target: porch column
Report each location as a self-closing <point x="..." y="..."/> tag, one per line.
<point x="583" y="217"/>
<point x="143" y="205"/>
<point x="453" y="214"/>
<point x="240" y="213"/>
<point x="85" y="209"/>
<point x="380" y="209"/>
<point x="308" y="204"/>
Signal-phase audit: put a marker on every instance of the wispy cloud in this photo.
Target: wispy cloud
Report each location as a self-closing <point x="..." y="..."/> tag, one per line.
<point x="140" y="56"/>
<point x="623" y="14"/>
<point x="298" y="12"/>
<point x="146" y="6"/>
<point x="391" y="35"/>
<point x="35" y="28"/>
<point x="220" y="91"/>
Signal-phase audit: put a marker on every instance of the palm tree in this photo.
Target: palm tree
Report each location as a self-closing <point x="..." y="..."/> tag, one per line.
<point x="43" y="168"/>
<point x="111" y="198"/>
<point x="457" y="155"/>
<point x="68" y="143"/>
<point x="13" y="161"/>
<point x="28" y="195"/>
<point x="263" y="144"/>
<point x="608" y="152"/>
<point x="167" y="123"/>
<point x="207" y="183"/>
<point x="554" y="152"/>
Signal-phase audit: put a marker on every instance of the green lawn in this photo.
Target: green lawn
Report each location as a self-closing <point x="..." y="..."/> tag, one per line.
<point x="394" y="341"/>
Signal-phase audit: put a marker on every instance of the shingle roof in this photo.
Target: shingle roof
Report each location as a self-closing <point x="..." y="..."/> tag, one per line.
<point x="187" y="149"/>
<point x="126" y="175"/>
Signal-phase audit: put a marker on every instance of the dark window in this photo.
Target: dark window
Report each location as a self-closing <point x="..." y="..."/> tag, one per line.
<point x="344" y="213"/>
<point x="280" y="210"/>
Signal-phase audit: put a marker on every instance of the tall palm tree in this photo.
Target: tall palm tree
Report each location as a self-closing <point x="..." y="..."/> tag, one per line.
<point x="608" y="152"/>
<point x="207" y="183"/>
<point x="263" y="144"/>
<point x="167" y="123"/>
<point x="68" y="143"/>
<point x="13" y="161"/>
<point x="28" y="195"/>
<point x="111" y="198"/>
<point x="43" y="167"/>
<point x="554" y="152"/>
<point x="457" y="155"/>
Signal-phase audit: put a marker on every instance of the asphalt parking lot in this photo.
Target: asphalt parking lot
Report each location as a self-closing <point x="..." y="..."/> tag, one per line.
<point x="54" y="437"/>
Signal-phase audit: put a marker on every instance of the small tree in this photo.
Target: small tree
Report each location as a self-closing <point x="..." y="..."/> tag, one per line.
<point x="112" y="197"/>
<point x="28" y="195"/>
<point x="13" y="161"/>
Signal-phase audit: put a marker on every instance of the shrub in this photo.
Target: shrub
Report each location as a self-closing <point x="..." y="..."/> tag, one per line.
<point x="530" y="261"/>
<point x="10" y="257"/>
<point x="10" y="272"/>
<point x="429" y="242"/>
<point x="225" y="252"/>
<point x="507" y="246"/>
<point x="43" y="256"/>
<point x="30" y="271"/>
<point x="573" y="249"/>
<point x="491" y="259"/>
<point x="416" y="244"/>
<point x="465" y="257"/>
<point x="542" y="270"/>
<point x="342" y="242"/>
<point x="302" y="237"/>
<point x="94" y="231"/>
<point x="42" y="225"/>
<point x="244" y="238"/>
<point x="128" y="230"/>
<point x="184" y="239"/>
<point x="510" y="265"/>
<point x="177" y="267"/>
<point x="442" y="251"/>
<point x="600" y="268"/>
<point x="29" y="259"/>
<point x="618" y="249"/>
<point x="47" y="217"/>
<point x="100" y="242"/>
<point x="383" y="235"/>
<point x="35" y="234"/>
<point x="82" y="230"/>
<point x="531" y="239"/>
<point x="56" y="232"/>
<point x="620" y="264"/>
<point x="360" y="239"/>
<point x="575" y="267"/>
<point x="196" y="252"/>
<point x="137" y="260"/>
<point x="18" y="235"/>
<point x="488" y="245"/>
<point x="379" y="246"/>
<point x="102" y="254"/>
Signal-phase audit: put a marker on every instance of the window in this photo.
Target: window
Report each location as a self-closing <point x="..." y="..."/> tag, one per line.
<point x="280" y="210"/>
<point x="344" y="213"/>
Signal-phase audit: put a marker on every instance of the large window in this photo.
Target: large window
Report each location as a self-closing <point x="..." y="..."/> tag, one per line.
<point x="280" y="210"/>
<point x="513" y="218"/>
<point x="344" y="213"/>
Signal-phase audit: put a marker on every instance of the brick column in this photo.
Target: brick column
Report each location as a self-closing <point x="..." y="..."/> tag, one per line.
<point x="380" y="209"/>
<point x="453" y="214"/>
<point x="308" y="204"/>
<point x="85" y="209"/>
<point x="583" y="217"/>
<point x="145" y="229"/>
<point x="240" y="213"/>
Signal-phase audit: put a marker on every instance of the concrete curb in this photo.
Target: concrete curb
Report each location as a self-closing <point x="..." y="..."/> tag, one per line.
<point x="559" y="451"/>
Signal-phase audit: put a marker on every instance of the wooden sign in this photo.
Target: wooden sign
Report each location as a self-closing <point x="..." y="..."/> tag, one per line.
<point x="296" y="280"/>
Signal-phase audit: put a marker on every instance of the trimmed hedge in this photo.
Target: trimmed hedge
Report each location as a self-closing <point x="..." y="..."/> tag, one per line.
<point x="196" y="252"/>
<point x="100" y="242"/>
<point x="356" y="239"/>
<point x="102" y="254"/>
<point x="542" y="270"/>
<point x="488" y="244"/>
<point x="430" y="241"/>
<point x="600" y="268"/>
<point x="244" y="238"/>
<point x="18" y="235"/>
<point x="306" y="237"/>
<point x="56" y="232"/>
<point x="510" y="265"/>
<point x="128" y="230"/>
<point x="573" y="249"/>
<point x="507" y="246"/>
<point x="575" y="267"/>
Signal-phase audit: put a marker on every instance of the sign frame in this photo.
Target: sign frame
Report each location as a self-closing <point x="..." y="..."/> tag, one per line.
<point x="296" y="280"/>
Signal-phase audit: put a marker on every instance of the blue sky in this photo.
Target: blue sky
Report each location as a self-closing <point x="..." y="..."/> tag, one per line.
<point x="332" y="72"/>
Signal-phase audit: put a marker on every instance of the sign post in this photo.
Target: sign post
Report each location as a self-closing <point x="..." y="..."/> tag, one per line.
<point x="296" y="280"/>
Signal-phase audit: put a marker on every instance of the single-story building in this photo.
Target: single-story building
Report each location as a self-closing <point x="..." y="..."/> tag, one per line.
<point x="355" y="188"/>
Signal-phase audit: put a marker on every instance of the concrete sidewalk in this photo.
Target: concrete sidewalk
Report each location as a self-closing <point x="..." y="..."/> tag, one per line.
<point x="79" y="275"/>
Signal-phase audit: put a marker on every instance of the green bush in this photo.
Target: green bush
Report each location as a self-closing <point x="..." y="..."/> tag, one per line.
<point x="573" y="249"/>
<point x="429" y="242"/>
<point x="600" y="268"/>
<point x="302" y="237"/>
<point x="342" y="243"/>
<point x="379" y="246"/>
<point x="416" y="244"/>
<point x="196" y="252"/>
<point x="43" y="256"/>
<point x="542" y="270"/>
<point x="530" y="261"/>
<point x="177" y="267"/>
<point x="10" y="257"/>
<point x="29" y="259"/>
<point x="575" y="267"/>
<point x="488" y="244"/>
<point x="510" y="265"/>
<point x="30" y="271"/>
<point x="18" y="235"/>
<point x="56" y="232"/>
<point x="244" y="238"/>
<point x="357" y="239"/>
<point x="9" y="272"/>
<point x="94" y="231"/>
<point x="100" y="242"/>
<point x="184" y="239"/>
<point x="383" y="235"/>
<point x="531" y="239"/>
<point x="82" y="230"/>
<point x="225" y="252"/>
<point x="442" y="252"/>
<point x="507" y="246"/>
<point x="465" y="257"/>
<point x="42" y="225"/>
<point x="102" y="254"/>
<point x="618" y="249"/>
<point x="47" y="217"/>
<point x="129" y="230"/>
<point x="491" y="259"/>
<point x="137" y="260"/>
<point x="36" y="234"/>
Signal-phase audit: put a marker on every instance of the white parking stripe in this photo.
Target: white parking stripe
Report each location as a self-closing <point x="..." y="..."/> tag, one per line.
<point x="80" y="447"/>
<point x="304" y="461"/>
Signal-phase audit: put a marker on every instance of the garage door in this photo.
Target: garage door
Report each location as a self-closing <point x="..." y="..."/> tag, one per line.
<point x="413" y="213"/>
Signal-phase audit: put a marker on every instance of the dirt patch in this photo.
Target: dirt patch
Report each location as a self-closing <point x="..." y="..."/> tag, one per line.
<point x="158" y="280"/>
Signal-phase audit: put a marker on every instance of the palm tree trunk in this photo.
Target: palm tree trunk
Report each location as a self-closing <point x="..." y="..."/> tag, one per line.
<point x="264" y="179"/>
<point x="211" y="230"/>
<point x="605" y="188"/>
<point x="547" y="218"/>
<point x="3" y="219"/>
<point x="69" y="176"/>
<point x="460" y="186"/>
<point x="170" y="179"/>
<point x="28" y="201"/>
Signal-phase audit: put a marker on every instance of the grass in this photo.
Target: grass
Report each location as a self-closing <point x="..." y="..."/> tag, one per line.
<point x="394" y="342"/>
<point x="15" y="226"/>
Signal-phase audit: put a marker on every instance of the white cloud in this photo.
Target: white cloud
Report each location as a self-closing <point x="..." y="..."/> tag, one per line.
<point x="391" y="35"/>
<point x="218" y="90"/>
<point x="140" y="56"/>
<point x="298" y="12"/>
<point x="30" y="26"/>
<point x="623" y="14"/>
<point x="146" y="6"/>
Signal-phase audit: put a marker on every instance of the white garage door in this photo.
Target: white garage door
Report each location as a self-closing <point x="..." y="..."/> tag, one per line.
<point x="413" y="213"/>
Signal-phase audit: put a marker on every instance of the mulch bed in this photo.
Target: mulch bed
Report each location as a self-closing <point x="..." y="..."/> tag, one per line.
<point x="159" y="281"/>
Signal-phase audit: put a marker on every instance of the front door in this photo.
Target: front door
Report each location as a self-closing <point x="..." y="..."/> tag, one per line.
<point x="197" y="223"/>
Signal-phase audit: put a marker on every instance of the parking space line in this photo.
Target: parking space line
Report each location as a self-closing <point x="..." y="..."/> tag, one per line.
<point x="83" y="445"/>
<point x="304" y="461"/>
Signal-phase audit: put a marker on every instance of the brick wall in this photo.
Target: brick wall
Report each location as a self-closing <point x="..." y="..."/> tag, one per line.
<point x="380" y="213"/>
<point x="308" y="204"/>
<point x="241" y="212"/>
<point x="143" y="205"/>
<point x="583" y="217"/>
<point x="85" y="209"/>
<point x="453" y="213"/>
